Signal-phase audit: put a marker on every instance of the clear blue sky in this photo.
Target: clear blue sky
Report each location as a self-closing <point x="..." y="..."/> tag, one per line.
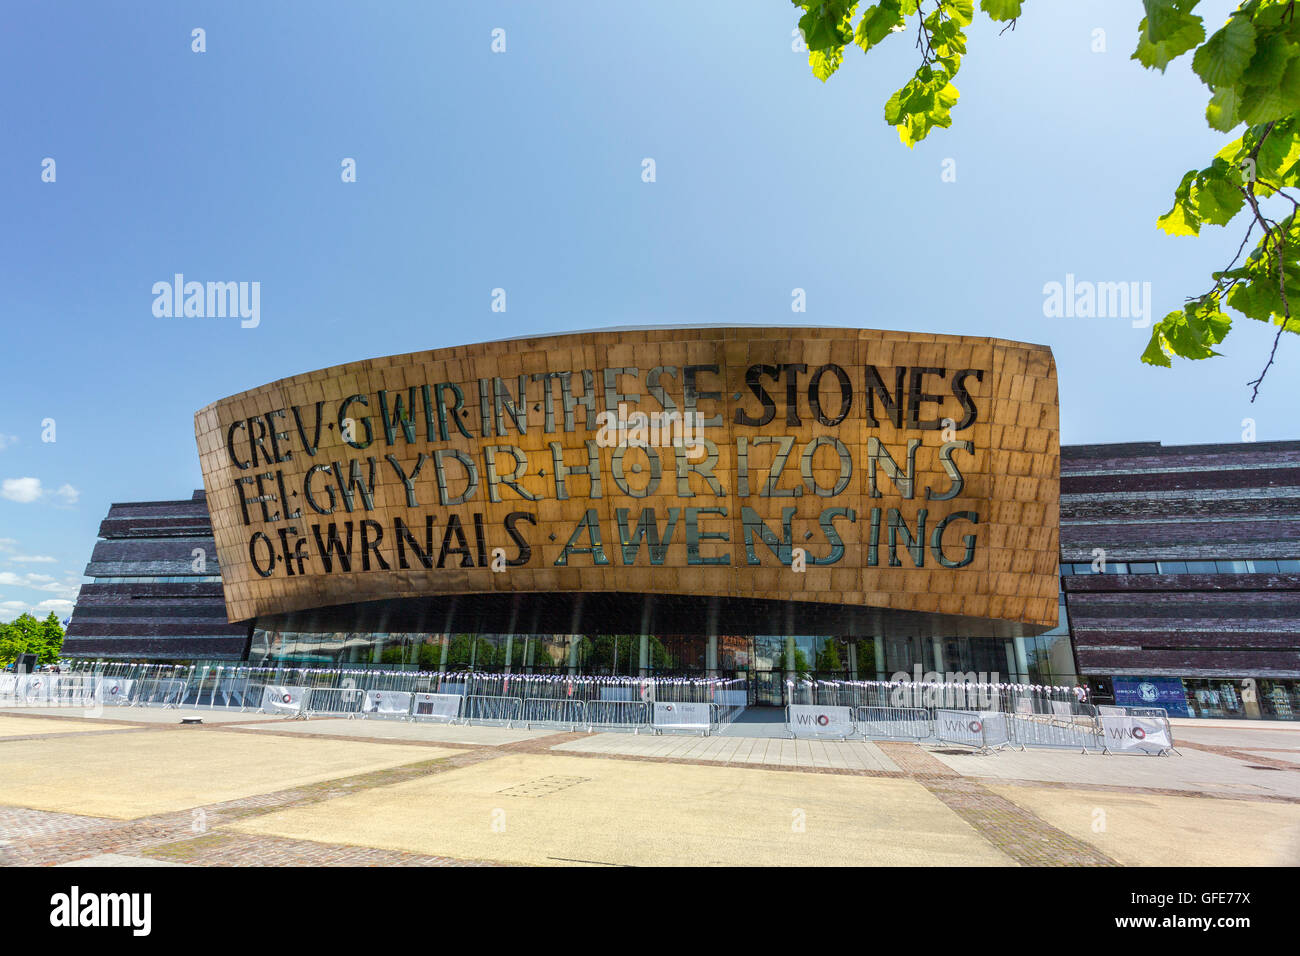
<point x="523" y="170"/>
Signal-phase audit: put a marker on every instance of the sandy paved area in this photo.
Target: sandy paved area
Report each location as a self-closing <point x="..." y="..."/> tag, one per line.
<point x="1160" y="830"/>
<point x="849" y="755"/>
<point x="544" y="809"/>
<point x="1195" y="771"/>
<point x="328" y="792"/>
<point x="135" y="774"/>
<point x="146" y="715"/>
<point x="25" y="726"/>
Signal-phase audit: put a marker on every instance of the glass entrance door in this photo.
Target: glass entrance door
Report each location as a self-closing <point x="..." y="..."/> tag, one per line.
<point x="769" y="689"/>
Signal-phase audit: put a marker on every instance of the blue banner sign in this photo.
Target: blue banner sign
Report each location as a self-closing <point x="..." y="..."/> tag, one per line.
<point x="1166" y="692"/>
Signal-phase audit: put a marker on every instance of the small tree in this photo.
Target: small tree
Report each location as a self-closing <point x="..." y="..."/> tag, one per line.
<point x="51" y="639"/>
<point x="27" y="635"/>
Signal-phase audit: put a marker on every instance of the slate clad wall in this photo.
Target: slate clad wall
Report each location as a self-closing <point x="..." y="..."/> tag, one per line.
<point x="1146" y="502"/>
<point x="171" y="620"/>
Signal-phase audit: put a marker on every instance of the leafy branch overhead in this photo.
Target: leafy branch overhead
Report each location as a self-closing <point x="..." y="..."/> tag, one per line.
<point x="1251" y="66"/>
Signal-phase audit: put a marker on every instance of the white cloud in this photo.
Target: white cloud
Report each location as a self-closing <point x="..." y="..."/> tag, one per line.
<point x="7" y="440"/>
<point x="22" y="490"/>
<point x="60" y="606"/>
<point x="9" y="552"/>
<point x="39" y="582"/>
<point x="26" y="490"/>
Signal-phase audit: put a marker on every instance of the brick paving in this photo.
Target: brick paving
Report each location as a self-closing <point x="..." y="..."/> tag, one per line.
<point x="237" y="849"/>
<point x="1251" y="757"/>
<point x="1021" y="835"/>
<point x="41" y="838"/>
<point x="116" y="731"/>
<point x="33" y="837"/>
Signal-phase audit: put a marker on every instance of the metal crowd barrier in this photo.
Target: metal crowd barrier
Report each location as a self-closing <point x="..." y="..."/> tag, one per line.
<point x="554" y="711"/>
<point x="48" y="690"/>
<point x="160" y="691"/>
<point x="334" y="701"/>
<point x="484" y="708"/>
<point x="287" y="700"/>
<point x="956" y="694"/>
<point x="387" y="703"/>
<point x="1158" y="714"/>
<point x="1075" y="733"/>
<point x="894" y="723"/>
<point x="430" y="706"/>
<point x="820" y="720"/>
<point x="983" y="730"/>
<point x="617" y="714"/>
<point x="675" y="715"/>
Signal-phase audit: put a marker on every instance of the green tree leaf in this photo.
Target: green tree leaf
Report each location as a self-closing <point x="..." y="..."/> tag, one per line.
<point x="1001" y="9"/>
<point x="1216" y="194"/>
<point x="826" y="25"/>
<point x="1224" y="111"/>
<point x="1224" y="57"/>
<point x="877" y="23"/>
<point x="962" y="12"/>
<point x="1182" y="220"/>
<point x="825" y="62"/>
<point x="1167" y="31"/>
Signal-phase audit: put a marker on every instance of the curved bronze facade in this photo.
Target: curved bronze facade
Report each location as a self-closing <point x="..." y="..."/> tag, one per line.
<point x="841" y="477"/>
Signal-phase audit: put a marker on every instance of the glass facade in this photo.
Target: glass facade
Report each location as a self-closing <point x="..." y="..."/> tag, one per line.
<point x="1251" y="698"/>
<point x="1246" y="698"/>
<point x="765" y="660"/>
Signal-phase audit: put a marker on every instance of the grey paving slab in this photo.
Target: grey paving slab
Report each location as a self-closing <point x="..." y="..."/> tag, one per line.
<point x="1194" y="771"/>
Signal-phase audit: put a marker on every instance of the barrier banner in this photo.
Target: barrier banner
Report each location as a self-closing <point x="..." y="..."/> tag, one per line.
<point x="437" y="706"/>
<point x="996" y="731"/>
<point x="39" y="687"/>
<point x="117" y="691"/>
<point x="961" y="727"/>
<point x="8" y="685"/>
<point x="282" y="698"/>
<point x="816" y="719"/>
<point x="1139" y="734"/>
<point x="387" y="702"/>
<point x="1062" y="708"/>
<point x="677" y="713"/>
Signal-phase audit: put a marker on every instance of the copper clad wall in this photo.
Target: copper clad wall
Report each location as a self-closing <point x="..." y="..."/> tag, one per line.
<point x="1011" y="480"/>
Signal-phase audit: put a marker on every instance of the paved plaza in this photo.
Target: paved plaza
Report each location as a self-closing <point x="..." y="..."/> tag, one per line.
<point x="135" y="787"/>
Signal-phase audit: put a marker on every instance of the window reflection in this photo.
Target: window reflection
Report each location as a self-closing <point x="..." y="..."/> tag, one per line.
<point x="769" y="658"/>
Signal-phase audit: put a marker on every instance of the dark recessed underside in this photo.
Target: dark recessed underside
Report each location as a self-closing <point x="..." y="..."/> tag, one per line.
<point x="602" y="612"/>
